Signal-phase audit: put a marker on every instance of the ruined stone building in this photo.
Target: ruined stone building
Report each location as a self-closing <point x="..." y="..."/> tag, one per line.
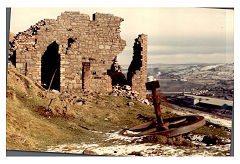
<point x="137" y="71"/>
<point x="75" y="52"/>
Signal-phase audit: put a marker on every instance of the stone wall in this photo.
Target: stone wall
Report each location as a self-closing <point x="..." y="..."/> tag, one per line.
<point x="73" y="47"/>
<point x="137" y="71"/>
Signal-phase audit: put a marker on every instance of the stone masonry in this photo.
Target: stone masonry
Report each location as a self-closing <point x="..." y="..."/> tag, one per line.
<point x="79" y="51"/>
<point x="137" y="71"/>
<point x="74" y="52"/>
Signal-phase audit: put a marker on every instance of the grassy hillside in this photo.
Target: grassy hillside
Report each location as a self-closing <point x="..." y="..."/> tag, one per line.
<point x="72" y="117"/>
<point x="31" y="127"/>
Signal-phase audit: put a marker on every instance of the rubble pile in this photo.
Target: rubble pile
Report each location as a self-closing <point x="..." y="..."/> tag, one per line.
<point x="77" y="98"/>
<point x="126" y="91"/>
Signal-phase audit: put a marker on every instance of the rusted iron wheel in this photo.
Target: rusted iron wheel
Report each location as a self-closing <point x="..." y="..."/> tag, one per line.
<point x="171" y="127"/>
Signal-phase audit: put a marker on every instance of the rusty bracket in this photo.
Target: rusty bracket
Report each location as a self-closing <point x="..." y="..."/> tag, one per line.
<point x="153" y="86"/>
<point x="168" y="127"/>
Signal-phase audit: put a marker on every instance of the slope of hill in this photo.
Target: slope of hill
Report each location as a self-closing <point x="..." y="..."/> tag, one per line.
<point x="213" y="80"/>
<point x="200" y="71"/>
<point x="70" y="117"/>
<point x="89" y="123"/>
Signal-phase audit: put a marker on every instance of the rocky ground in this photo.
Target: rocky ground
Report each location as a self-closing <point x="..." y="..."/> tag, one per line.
<point x="132" y="146"/>
<point x="202" y="145"/>
<point x="89" y="123"/>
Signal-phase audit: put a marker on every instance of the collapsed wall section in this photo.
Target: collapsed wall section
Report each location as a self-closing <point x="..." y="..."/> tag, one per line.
<point x="137" y="71"/>
<point x="84" y="50"/>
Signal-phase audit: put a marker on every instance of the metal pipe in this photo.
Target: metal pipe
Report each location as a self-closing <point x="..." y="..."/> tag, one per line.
<point x="157" y="108"/>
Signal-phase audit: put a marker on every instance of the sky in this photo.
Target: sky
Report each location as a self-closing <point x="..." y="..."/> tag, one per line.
<point x="175" y="35"/>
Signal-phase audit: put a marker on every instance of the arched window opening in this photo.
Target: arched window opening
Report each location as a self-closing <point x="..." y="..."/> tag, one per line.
<point x="50" y="67"/>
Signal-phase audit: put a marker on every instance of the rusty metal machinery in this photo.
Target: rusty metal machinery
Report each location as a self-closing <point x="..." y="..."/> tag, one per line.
<point x="168" y="127"/>
<point x="118" y="78"/>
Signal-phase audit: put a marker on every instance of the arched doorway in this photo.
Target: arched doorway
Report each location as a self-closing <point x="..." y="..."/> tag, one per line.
<point x="51" y="64"/>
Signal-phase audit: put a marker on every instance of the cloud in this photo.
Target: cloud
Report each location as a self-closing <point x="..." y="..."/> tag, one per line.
<point x="194" y="40"/>
<point x="195" y="34"/>
<point x="190" y="58"/>
<point x="173" y="50"/>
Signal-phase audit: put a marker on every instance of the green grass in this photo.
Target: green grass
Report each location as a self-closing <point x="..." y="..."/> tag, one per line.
<point x="206" y="130"/>
<point x="24" y="120"/>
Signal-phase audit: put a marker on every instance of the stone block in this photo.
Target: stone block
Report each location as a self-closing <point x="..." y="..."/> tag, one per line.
<point x="107" y="47"/>
<point x="19" y="65"/>
<point x="101" y="47"/>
